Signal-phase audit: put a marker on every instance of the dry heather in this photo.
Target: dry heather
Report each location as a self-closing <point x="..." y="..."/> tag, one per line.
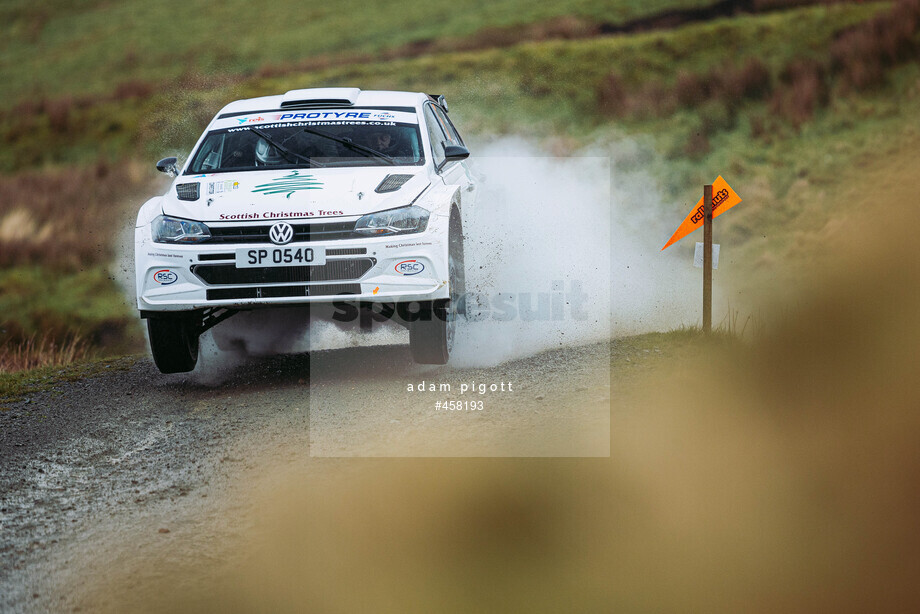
<point x="859" y="59"/>
<point x="64" y="218"/>
<point x="58" y="229"/>
<point x="44" y="351"/>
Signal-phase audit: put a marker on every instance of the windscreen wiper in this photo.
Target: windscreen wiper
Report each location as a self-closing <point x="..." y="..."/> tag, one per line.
<point x="347" y="142"/>
<point x="284" y="150"/>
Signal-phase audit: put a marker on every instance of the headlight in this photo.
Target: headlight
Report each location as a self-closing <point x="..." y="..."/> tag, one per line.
<point x="394" y="221"/>
<point x="173" y="230"/>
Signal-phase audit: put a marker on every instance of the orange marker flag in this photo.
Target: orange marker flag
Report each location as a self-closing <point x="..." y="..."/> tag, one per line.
<point x="723" y="199"/>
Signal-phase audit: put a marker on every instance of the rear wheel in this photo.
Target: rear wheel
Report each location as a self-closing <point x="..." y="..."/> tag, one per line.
<point x="174" y="343"/>
<point x="431" y="335"/>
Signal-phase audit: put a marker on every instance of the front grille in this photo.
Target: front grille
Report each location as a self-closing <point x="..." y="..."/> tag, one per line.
<point x="223" y="294"/>
<point x="328" y="231"/>
<point x="346" y="251"/>
<point x="333" y="270"/>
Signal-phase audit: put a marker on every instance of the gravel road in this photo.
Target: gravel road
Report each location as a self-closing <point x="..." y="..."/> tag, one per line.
<point x="122" y="457"/>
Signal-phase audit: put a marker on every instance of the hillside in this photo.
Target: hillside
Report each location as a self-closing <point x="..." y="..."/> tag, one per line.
<point x="783" y="101"/>
<point x="64" y="48"/>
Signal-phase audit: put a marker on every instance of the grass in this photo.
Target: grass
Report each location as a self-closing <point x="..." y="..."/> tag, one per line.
<point x="59" y="48"/>
<point x="786" y="174"/>
<point x="58" y="231"/>
<point x="36" y="302"/>
<point x="64" y="217"/>
<point x="14" y="386"/>
<point x="541" y="87"/>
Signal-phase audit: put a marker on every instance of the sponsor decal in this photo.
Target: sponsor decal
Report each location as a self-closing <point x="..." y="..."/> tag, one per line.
<point x="409" y="267"/>
<point x="723" y="199"/>
<point x="339" y="115"/>
<point x="297" y="124"/>
<point x="218" y="187"/>
<point x="274" y="215"/>
<point x="319" y="117"/>
<point x="164" y="277"/>
<point x="245" y="216"/>
<point x="327" y="115"/>
<point x="290" y="184"/>
<point x="395" y="245"/>
<point x="717" y="199"/>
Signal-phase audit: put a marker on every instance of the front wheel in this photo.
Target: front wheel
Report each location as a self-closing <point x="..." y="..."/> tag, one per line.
<point x="431" y="335"/>
<point x="174" y="343"/>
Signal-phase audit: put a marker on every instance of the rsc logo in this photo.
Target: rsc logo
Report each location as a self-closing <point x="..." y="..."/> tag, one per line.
<point x="165" y="277"/>
<point x="409" y="267"/>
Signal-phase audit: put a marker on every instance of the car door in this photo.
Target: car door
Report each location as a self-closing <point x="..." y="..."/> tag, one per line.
<point x="440" y="131"/>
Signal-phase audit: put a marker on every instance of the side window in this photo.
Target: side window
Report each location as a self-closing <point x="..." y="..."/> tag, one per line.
<point x="435" y="135"/>
<point x="447" y="126"/>
<point x="210" y="155"/>
<point x="454" y="129"/>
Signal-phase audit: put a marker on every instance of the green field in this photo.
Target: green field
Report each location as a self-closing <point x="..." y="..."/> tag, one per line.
<point x="66" y="48"/>
<point x="783" y="103"/>
<point x="545" y="88"/>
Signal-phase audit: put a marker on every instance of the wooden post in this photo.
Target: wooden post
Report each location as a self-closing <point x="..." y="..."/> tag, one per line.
<point x="707" y="259"/>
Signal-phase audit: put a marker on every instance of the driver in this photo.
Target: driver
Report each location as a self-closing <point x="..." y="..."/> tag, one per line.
<point x="267" y="155"/>
<point x="385" y="142"/>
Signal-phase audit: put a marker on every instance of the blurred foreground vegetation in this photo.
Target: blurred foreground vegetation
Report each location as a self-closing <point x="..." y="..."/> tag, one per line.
<point x="782" y="482"/>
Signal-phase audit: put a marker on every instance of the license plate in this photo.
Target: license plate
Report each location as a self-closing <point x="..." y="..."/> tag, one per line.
<point x="247" y="258"/>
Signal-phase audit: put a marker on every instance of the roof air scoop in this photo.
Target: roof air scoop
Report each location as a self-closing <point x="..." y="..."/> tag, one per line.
<point x="320" y="96"/>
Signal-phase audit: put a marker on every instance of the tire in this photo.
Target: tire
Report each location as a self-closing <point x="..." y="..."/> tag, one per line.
<point x="173" y="343"/>
<point x="431" y="336"/>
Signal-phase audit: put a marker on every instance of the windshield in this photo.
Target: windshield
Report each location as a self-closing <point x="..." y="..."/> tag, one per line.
<point x="307" y="144"/>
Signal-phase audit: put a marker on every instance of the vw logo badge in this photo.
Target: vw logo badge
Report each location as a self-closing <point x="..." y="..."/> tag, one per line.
<point x="281" y="233"/>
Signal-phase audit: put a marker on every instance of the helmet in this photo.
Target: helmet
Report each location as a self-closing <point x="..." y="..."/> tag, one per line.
<point x="266" y="154"/>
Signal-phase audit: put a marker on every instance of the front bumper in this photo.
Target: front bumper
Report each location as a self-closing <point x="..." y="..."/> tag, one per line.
<point x="186" y="277"/>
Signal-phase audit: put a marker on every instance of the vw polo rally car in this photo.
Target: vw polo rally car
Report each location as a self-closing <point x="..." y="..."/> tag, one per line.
<point x="327" y="197"/>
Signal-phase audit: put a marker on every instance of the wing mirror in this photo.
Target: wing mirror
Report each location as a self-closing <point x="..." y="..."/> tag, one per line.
<point x="454" y="153"/>
<point x="168" y="166"/>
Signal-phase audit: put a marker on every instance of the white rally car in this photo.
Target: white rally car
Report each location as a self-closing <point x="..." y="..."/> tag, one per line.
<point x="342" y="199"/>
